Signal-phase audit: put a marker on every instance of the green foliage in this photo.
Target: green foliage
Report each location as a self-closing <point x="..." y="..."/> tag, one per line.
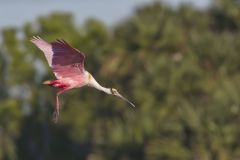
<point x="180" y="66"/>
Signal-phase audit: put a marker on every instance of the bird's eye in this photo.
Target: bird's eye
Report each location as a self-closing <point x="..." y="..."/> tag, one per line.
<point x="114" y="91"/>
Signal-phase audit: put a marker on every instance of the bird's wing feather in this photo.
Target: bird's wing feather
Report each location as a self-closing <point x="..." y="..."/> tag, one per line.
<point x="45" y="47"/>
<point x="64" y="60"/>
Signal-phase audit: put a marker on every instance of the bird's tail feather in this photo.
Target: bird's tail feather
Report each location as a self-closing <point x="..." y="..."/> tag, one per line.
<point x="57" y="84"/>
<point x="47" y="82"/>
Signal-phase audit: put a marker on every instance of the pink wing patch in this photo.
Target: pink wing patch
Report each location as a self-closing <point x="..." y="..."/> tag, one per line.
<point x="64" y="60"/>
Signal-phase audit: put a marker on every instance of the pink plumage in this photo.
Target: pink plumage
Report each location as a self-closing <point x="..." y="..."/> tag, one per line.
<point x="64" y="60"/>
<point x="67" y="63"/>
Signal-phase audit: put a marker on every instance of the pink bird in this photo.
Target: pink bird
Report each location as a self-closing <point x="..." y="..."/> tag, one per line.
<point x="67" y="64"/>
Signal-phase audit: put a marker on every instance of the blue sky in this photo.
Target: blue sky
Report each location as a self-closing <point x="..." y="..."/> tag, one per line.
<point x="17" y="12"/>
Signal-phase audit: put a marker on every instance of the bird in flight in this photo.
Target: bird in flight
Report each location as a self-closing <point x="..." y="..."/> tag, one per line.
<point x="67" y="64"/>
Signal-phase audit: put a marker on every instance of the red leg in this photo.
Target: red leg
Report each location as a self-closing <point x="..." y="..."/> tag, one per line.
<point x="57" y="111"/>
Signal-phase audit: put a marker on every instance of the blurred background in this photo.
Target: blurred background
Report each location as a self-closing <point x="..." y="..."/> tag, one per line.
<point x="177" y="60"/>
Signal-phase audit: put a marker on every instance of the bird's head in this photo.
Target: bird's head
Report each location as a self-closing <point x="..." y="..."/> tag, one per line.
<point x="115" y="93"/>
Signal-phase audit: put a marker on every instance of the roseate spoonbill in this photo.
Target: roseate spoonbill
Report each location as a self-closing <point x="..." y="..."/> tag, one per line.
<point x="67" y="64"/>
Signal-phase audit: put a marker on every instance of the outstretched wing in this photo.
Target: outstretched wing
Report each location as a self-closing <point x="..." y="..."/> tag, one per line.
<point x="64" y="60"/>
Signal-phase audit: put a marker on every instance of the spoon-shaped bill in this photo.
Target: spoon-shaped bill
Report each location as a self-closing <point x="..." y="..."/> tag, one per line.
<point x="125" y="99"/>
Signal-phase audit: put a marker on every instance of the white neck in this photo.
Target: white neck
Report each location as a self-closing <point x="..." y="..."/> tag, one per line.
<point x="93" y="83"/>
